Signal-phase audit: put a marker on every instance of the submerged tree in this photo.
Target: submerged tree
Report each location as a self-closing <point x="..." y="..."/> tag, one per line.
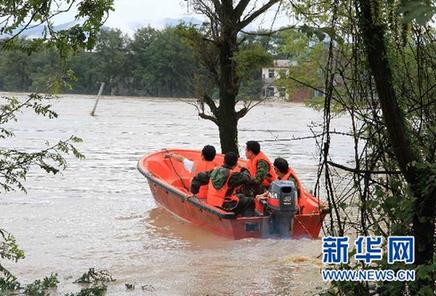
<point x="219" y="50"/>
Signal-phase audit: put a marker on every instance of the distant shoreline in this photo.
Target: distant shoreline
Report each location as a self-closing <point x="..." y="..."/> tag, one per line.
<point x="106" y="97"/>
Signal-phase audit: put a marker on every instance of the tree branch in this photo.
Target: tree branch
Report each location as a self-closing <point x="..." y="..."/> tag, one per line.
<point x="354" y="170"/>
<point x="239" y="9"/>
<point x="210" y="102"/>
<point x="208" y="117"/>
<point x="242" y="24"/>
<point x="270" y="33"/>
<point x="200" y="110"/>
<point x="241" y="113"/>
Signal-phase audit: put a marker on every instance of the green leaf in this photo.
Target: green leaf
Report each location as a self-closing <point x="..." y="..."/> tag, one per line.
<point x="420" y="11"/>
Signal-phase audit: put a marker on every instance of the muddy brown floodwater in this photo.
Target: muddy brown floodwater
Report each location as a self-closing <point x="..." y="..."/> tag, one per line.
<point x="100" y="213"/>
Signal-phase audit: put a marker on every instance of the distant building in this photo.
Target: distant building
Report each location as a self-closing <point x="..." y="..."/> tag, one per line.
<point x="270" y="75"/>
<point x="271" y="90"/>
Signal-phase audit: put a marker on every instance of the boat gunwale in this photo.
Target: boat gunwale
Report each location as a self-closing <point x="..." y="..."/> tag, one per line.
<point x="185" y="197"/>
<point x="182" y="195"/>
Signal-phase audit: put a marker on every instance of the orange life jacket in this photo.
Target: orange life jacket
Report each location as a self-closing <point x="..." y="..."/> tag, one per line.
<point x="252" y="168"/>
<point x="290" y="174"/>
<point x="216" y="197"/>
<point x="200" y="167"/>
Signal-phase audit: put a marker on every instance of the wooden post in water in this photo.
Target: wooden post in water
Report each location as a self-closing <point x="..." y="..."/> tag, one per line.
<point x="98" y="98"/>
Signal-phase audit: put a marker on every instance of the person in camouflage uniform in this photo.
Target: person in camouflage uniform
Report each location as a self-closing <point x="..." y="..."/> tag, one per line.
<point x="219" y="177"/>
<point x="260" y="168"/>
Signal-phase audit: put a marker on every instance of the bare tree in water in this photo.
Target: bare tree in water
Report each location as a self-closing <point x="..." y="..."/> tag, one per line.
<point x="218" y="47"/>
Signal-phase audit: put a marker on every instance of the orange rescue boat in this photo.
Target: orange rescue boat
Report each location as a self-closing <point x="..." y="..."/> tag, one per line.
<point x="170" y="182"/>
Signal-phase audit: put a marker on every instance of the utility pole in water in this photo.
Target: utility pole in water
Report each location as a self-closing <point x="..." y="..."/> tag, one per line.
<point x="98" y="98"/>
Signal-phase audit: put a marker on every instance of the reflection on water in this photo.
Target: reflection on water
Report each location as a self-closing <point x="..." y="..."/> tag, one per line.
<point x="100" y="213"/>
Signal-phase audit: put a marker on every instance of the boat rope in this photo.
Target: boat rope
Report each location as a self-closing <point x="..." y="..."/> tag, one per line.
<point x="175" y="171"/>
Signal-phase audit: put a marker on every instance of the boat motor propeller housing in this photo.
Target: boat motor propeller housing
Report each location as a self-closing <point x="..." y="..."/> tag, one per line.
<point x="282" y="204"/>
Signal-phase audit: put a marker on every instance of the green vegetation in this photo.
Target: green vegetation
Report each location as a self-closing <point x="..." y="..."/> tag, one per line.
<point x="39" y="288"/>
<point x="372" y="59"/>
<point x="96" y="279"/>
<point x="14" y="166"/>
<point x="151" y="63"/>
<point x="379" y="70"/>
<point x="92" y="291"/>
<point x="17" y="17"/>
<point x="308" y="56"/>
<point x="154" y="63"/>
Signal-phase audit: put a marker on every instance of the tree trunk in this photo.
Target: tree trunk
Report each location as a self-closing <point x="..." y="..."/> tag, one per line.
<point x="226" y="21"/>
<point x="398" y="133"/>
<point x="228" y="90"/>
<point x="228" y="127"/>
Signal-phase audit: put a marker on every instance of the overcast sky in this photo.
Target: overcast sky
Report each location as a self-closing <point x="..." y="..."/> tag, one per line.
<point x="131" y="14"/>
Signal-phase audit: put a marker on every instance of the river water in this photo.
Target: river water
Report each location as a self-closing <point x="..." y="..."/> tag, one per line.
<point x="100" y="212"/>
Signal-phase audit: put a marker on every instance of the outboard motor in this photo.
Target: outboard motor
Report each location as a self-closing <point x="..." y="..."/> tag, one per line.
<point x="282" y="204"/>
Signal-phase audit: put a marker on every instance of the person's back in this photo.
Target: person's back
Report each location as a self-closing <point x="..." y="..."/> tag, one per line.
<point x="206" y="163"/>
<point x="200" y="167"/>
<point x="221" y="183"/>
<point x="218" y="186"/>
<point x="194" y="167"/>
